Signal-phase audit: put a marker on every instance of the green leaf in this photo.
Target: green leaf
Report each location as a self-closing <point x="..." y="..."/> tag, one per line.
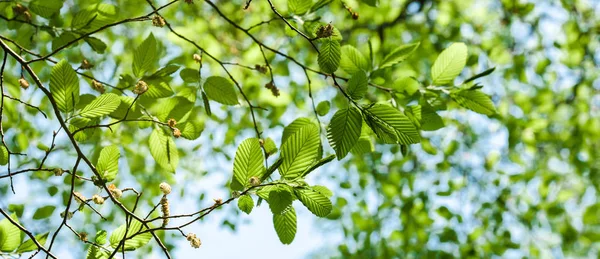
<point x="3" y="155"/>
<point x="449" y="64"/>
<point x="94" y="17"/>
<point x="299" y="151"/>
<point x="63" y="40"/>
<point x="474" y="100"/>
<point x="108" y="162"/>
<point x="357" y="85"/>
<point x="165" y="71"/>
<point x="10" y="235"/>
<point x="373" y="3"/>
<point x="80" y="122"/>
<point x="279" y="200"/>
<point x="245" y="203"/>
<point x="391" y="125"/>
<point x="133" y="243"/>
<point x="29" y="245"/>
<point x="103" y="105"/>
<point x="314" y="201"/>
<point x="344" y="130"/>
<point x="190" y="75"/>
<point x="319" y="4"/>
<point x="482" y="74"/>
<point x="289" y="130"/>
<point x="206" y="104"/>
<point x="101" y="237"/>
<point x="96" y="44"/>
<point x="318" y="164"/>
<point x="44" y="212"/>
<point x="323" y="108"/>
<point x="157" y="88"/>
<point x="64" y="86"/>
<point x="178" y="108"/>
<point x="329" y="55"/>
<point x="591" y="216"/>
<point x="299" y="6"/>
<point x="221" y="90"/>
<point x="248" y="162"/>
<point x="45" y="8"/>
<point x="285" y="225"/>
<point x="126" y="102"/>
<point x="191" y="130"/>
<point x="163" y="149"/>
<point x="323" y="190"/>
<point x="96" y="253"/>
<point x="352" y="60"/>
<point x="430" y="120"/>
<point x="270" y="146"/>
<point x="398" y="55"/>
<point x="145" y="56"/>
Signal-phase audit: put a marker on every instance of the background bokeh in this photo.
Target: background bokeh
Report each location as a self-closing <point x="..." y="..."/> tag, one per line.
<point x="521" y="183"/>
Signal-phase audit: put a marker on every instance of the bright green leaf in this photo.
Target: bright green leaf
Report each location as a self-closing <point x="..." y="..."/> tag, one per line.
<point x="245" y="203"/>
<point x="29" y="245"/>
<point x="221" y="90"/>
<point x="108" y="162"/>
<point x="344" y="130"/>
<point x="163" y="149"/>
<point x="398" y="55"/>
<point x="352" y="60"/>
<point x="474" y="100"/>
<point x="101" y="106"/>
<point x="10" y="235"/>
<point x="391" y="125"/>
<point x="299" y="151"/>
<point x="449" y="64"/>
<point x="279" y="200"/>
<point x="130" y="244"/>
<point x="248" y="162"/>
<point x="285" y="225"/>
<point x="329" y="55"/>
<point x="299" y="6"/>
<point x="145" y="56"/>
<point x="43" y="212"/>
<point x="314" y="201"/>
<point x="357" y="85"/>
<point x="64" y="86"/>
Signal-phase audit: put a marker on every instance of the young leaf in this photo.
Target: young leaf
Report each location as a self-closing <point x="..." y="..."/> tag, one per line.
<point x="352" y="60"/>
<point x="163" y="149"/>
<point x="157" y="88"/>
<point x="344" y="130"/>
<point x="145" y="56"/>
<point x="314" y="201"/>
<point x="285" y="225"/>
<point x="449" y="64"/>
<point x="96" y="253"/>
<point x="108" y="162"/>
<point x="299" y="151"/>
<point x="474" y="100"/>
<point x="206" y="104"/>
<point x="279" y="200"/>
<point x="3" y="155"/>
<point x="357" y="85"/>
<point x="221" y="90"/>
<point x="10" y="234"/>
<point x="399" y="54"/>
<point x="329" y="55"/>
<point x="124" y="106"/>
<point x="390" y="125"/>
<point x="131" y="243"/>
<point x="178" y="108"/>
<point x="64" y="86"/>
<point x="101" y="106"/>
<point x="29" y="245"/>
<point x="245" y="203"/>
<point x="318" y="164"/>
<point x="248" y="162"/>
<point x="299" y="6"/>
